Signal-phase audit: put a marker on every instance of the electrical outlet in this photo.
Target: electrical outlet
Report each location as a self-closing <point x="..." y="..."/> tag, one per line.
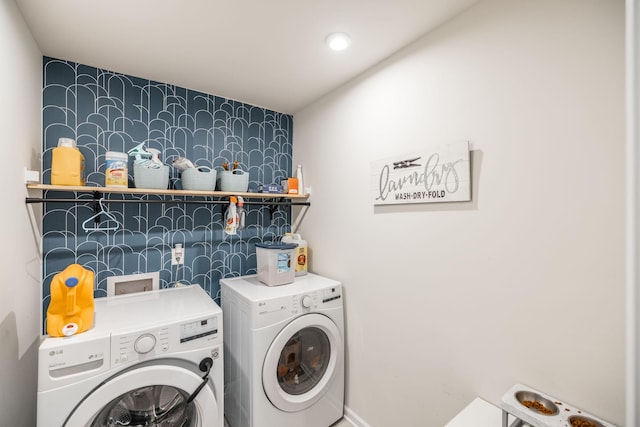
<point x="177" y="255"/>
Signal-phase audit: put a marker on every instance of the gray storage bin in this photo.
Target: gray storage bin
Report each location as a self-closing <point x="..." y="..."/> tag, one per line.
<point x="151" y="178"/>
<point x="236" y="180"/>
<point x="198" y="180"/>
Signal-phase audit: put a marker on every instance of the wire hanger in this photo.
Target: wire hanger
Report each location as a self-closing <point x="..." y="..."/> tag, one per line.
<point x="96" y="219"/>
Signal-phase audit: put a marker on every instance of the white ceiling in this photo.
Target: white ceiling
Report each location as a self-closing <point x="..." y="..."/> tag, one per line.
<point x="269" y="53"/>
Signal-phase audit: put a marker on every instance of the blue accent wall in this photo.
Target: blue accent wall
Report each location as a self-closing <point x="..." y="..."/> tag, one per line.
<point x="107" y="111"/>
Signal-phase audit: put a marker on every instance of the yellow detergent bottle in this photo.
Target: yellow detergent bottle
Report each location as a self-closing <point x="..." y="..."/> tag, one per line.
<point x="71" y="308"/>
<point x="67" y="164"/>
<point x="302" y="254"/>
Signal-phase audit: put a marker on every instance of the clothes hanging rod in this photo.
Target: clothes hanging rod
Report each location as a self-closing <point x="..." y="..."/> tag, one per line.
<point x="172" y="201"/>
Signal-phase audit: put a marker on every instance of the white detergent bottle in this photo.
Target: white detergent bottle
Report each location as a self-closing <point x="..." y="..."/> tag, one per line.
<point x="300" y="180"/>
<point x="302" y="255"/>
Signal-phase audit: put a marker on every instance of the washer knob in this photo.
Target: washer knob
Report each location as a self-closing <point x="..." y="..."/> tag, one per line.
<point x="306" y="301"/>
<point x="145" y="343"/>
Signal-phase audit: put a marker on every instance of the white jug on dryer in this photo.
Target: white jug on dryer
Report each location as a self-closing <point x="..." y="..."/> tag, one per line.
<point x="302" y="253"/>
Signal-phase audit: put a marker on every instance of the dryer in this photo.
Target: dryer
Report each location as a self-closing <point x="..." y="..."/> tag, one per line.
<point x="284" y="352"/>
<point x="152" y="359"/>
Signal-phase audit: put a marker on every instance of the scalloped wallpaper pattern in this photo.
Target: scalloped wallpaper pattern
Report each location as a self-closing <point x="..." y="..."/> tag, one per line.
<point x="107" y="111"/>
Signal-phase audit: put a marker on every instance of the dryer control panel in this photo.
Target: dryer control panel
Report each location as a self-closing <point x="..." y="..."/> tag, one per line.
<point x="272" y="310"/>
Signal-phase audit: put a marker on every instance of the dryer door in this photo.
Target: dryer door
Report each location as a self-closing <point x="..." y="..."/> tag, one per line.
<point x="302" y="362"/>
<point x="148" y="396"/>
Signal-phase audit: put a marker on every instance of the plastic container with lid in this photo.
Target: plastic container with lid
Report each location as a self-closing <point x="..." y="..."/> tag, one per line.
<point x="275" y="263"/>
<point x="67" y="163"/>
<point x="301" y="259"/>
<point x="71" y="308"/>
<point x="117" y="169"/>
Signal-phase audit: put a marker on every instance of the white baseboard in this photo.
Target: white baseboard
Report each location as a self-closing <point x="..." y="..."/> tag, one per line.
<point x="354" y="418"/>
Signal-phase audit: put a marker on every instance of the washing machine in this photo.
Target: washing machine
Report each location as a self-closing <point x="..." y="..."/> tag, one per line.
<point x="152" y="359"/>
<point x="284" y="352"/>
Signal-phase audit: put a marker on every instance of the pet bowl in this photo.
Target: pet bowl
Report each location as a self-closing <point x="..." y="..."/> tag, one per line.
<point x="537" y="403"/>
<point x="580" y="421"/>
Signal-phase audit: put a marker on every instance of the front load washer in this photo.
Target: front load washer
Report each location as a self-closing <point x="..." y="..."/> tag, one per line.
<point x="152" y="359"/>
<point x="284" y="352"/>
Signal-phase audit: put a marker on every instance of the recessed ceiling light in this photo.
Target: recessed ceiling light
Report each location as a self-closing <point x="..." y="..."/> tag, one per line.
<point x="338" y="41"/>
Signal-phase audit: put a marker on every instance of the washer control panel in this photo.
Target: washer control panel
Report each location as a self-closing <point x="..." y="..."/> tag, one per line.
<point x="304" y="302"/>
<point x="198" y="329"/>
<point x="331" y="294"/>
<point x="127" y="348"/>
<point x="145" y="344"/>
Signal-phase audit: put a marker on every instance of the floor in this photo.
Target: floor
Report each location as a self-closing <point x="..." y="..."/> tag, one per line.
<point x="341" y="423"/>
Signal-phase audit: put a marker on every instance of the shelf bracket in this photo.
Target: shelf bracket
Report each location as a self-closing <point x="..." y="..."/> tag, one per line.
<point x="296" y="224"/>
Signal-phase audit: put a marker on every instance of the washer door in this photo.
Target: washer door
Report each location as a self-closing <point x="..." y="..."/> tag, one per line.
<point x="148" y="396"/>
<point x="301" y="362"/>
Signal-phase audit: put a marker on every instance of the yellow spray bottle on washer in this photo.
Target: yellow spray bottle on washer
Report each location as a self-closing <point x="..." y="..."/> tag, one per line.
<point x="71" y="308"/>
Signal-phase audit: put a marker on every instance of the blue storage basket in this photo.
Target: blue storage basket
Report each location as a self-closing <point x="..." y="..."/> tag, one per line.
<point x="199" y="179"/>
<point x="233" y="181"/>
<point x="144" y="177"/>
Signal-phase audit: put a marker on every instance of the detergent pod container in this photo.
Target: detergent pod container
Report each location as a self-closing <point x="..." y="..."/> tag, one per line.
<point x="275" y="263"/>
<point x="302" y="257"/>
<point x="71" y="308"/>
<point x="67" y="164"/>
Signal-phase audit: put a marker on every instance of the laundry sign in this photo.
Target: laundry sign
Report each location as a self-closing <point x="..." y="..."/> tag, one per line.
<point x="441" y="174"/>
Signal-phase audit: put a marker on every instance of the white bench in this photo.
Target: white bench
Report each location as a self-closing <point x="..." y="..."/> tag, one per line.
<point x="479" y="413"/>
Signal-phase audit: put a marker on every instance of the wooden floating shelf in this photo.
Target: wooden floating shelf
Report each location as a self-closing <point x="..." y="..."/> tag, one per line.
<point x="149" y="191"/>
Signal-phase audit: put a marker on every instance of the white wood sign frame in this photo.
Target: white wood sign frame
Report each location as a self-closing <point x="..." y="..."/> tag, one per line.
<point x="442" y="174"/>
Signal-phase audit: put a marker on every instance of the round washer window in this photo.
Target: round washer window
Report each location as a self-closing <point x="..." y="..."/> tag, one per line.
<point x="303" y="360"/>
<point x="156" y="405"/>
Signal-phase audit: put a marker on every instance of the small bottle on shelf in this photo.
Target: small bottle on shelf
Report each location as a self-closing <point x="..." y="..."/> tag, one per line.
<point x="300" y="180"/>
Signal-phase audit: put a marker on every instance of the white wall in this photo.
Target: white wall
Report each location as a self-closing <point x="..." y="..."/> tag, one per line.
<point x="20" y="125"/>
<point x="633" y="210"/>
<point x="525" y="284"/>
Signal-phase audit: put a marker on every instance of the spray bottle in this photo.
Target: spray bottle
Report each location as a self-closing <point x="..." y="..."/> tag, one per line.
<point x="139" y="153"/>
<point x="155" y="162"/>
<point x="241" y="213"/>
<point x="231" y="218"/>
